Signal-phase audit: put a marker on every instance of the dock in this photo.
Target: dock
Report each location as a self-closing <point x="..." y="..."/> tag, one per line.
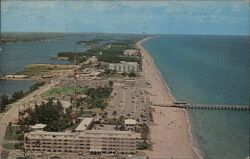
<point x="206" y="106"/>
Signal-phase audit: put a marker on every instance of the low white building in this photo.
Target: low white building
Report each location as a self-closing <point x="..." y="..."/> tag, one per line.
<point x="124" y="66"/>
<point x="131" y="52"/>
<point x="38" y="127"/>
<point x="84" y="125"/>
<point x="130" y="124"/>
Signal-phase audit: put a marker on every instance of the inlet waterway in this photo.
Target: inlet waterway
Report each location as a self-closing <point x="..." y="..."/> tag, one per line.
<point x="209" y="70"/>
<point x="15" y="56"/>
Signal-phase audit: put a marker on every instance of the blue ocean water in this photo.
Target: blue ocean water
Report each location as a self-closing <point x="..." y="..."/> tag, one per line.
<point x="209" y="70"/>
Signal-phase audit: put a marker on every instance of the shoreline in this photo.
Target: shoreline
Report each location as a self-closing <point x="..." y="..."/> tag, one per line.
<point x="195" y="152"/>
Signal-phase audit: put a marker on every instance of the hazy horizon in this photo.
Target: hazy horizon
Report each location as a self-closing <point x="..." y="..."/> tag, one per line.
<point x="134" y="17"/>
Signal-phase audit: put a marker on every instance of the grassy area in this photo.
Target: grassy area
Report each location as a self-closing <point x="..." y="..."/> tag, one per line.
<point x="63" y="91"/>
<point x="35" y="69"/>
<point x="72" y="127"/>
<point x="10" y="133"/>
<point x="112" y="75"/>
<point x="9" y="146"/>
<point x="86" y="114"/>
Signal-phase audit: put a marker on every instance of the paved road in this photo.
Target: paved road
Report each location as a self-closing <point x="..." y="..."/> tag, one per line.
<point x="2" y="132"/>
<point x="35" y="97"/>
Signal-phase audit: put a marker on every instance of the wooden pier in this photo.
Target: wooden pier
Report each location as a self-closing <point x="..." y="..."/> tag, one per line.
<point x="206" y="106"/>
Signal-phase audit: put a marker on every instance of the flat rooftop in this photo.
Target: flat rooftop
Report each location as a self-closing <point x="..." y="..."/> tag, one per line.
<point x="84" y="124"/>
<point x="130" y="121"/>
<point x="77" y="135"/>
<point x="38" y="126"/>
<point x="103" y="127"/>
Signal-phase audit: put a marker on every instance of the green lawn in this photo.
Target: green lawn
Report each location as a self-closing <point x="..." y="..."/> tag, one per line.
<point x="9" y="146"/>
<point x="63" y="91"/>
<point x="10" y="133"/>
<point x="35" y="69"/>
<point x="72" y="127"/>
<point x="110" y="75"/>
<point x="86" y="114"/>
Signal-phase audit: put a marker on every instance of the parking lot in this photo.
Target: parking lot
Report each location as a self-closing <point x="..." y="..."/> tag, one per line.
<point x="129" y="100"/>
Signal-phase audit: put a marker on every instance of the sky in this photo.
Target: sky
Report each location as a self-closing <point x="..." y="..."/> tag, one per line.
<point x="152" y="17"/>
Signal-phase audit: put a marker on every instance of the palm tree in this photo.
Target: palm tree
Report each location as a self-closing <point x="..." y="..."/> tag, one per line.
<point x="114" y="113"/>
<point x="128" y="115"/>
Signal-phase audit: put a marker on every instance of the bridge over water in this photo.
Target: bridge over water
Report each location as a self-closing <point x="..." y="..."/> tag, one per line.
<point x="206" y="106"/>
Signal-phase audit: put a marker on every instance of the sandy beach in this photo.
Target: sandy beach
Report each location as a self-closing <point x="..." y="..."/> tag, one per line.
<point x="170" y="135"/>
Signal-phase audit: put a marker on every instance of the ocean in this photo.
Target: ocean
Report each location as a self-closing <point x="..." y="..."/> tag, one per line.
<point x="209" y="70"/>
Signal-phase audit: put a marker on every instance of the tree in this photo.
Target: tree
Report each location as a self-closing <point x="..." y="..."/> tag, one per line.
<point x="4" y="102"/>
<point x="107" y="71"/>
<point x="138" y="120"/>
<point x="124" y="74"/>
<point x="17" y="95"/>
<point x="128" y="115"/>
<point x="96" y="98"/>
<point x="49" y="113"/>
<point x="104" y="115"/>
<point x="132" y="74"/>
<point x="10" y="126"/>
<point x="111" y="83"/>
<point x="142" y="145"/>
<point x="114" y="113"/>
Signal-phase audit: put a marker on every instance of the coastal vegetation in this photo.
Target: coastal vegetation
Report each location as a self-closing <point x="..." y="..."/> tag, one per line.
<point x="26" y="37"/>
<point x="130" y="74"/>
<point x="63" y="91"/>
<point x="97" y="97"/>
<point x="90" y="42"/>
<point x="71" y="56"/>
<point x="111" y="52"/>
<point x="5" y="100"/>
<point x="35" y="86"/>
<point x="50" y="113"/>
<point x="36" y="69"/>
<point x="117" y="59"/>
<point x="144" y="130"/>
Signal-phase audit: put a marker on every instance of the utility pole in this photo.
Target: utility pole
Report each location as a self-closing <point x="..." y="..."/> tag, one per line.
<point x="1" y="54"/>
<point x="75" y="85"/>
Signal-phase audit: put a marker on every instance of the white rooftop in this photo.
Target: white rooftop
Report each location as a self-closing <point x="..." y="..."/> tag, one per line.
<point x="38" y="126"/>
<point x="130" y="121"/>
<point x="84" y="124"/>
<point x="87" y="133"/>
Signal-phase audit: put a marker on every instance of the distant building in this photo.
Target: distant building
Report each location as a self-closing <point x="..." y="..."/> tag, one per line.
<point x="130" y="124"/>
<point x="131" y="52"/>
<point x="85" y="124"/>
<point x="92" y="59"/>
<point x="124" y="66"/>
<point x="86" y="142"/>
<point x="38" y="127"/>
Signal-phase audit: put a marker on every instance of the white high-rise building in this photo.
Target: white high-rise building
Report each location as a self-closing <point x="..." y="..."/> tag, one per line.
<point x="124" y="66"/>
